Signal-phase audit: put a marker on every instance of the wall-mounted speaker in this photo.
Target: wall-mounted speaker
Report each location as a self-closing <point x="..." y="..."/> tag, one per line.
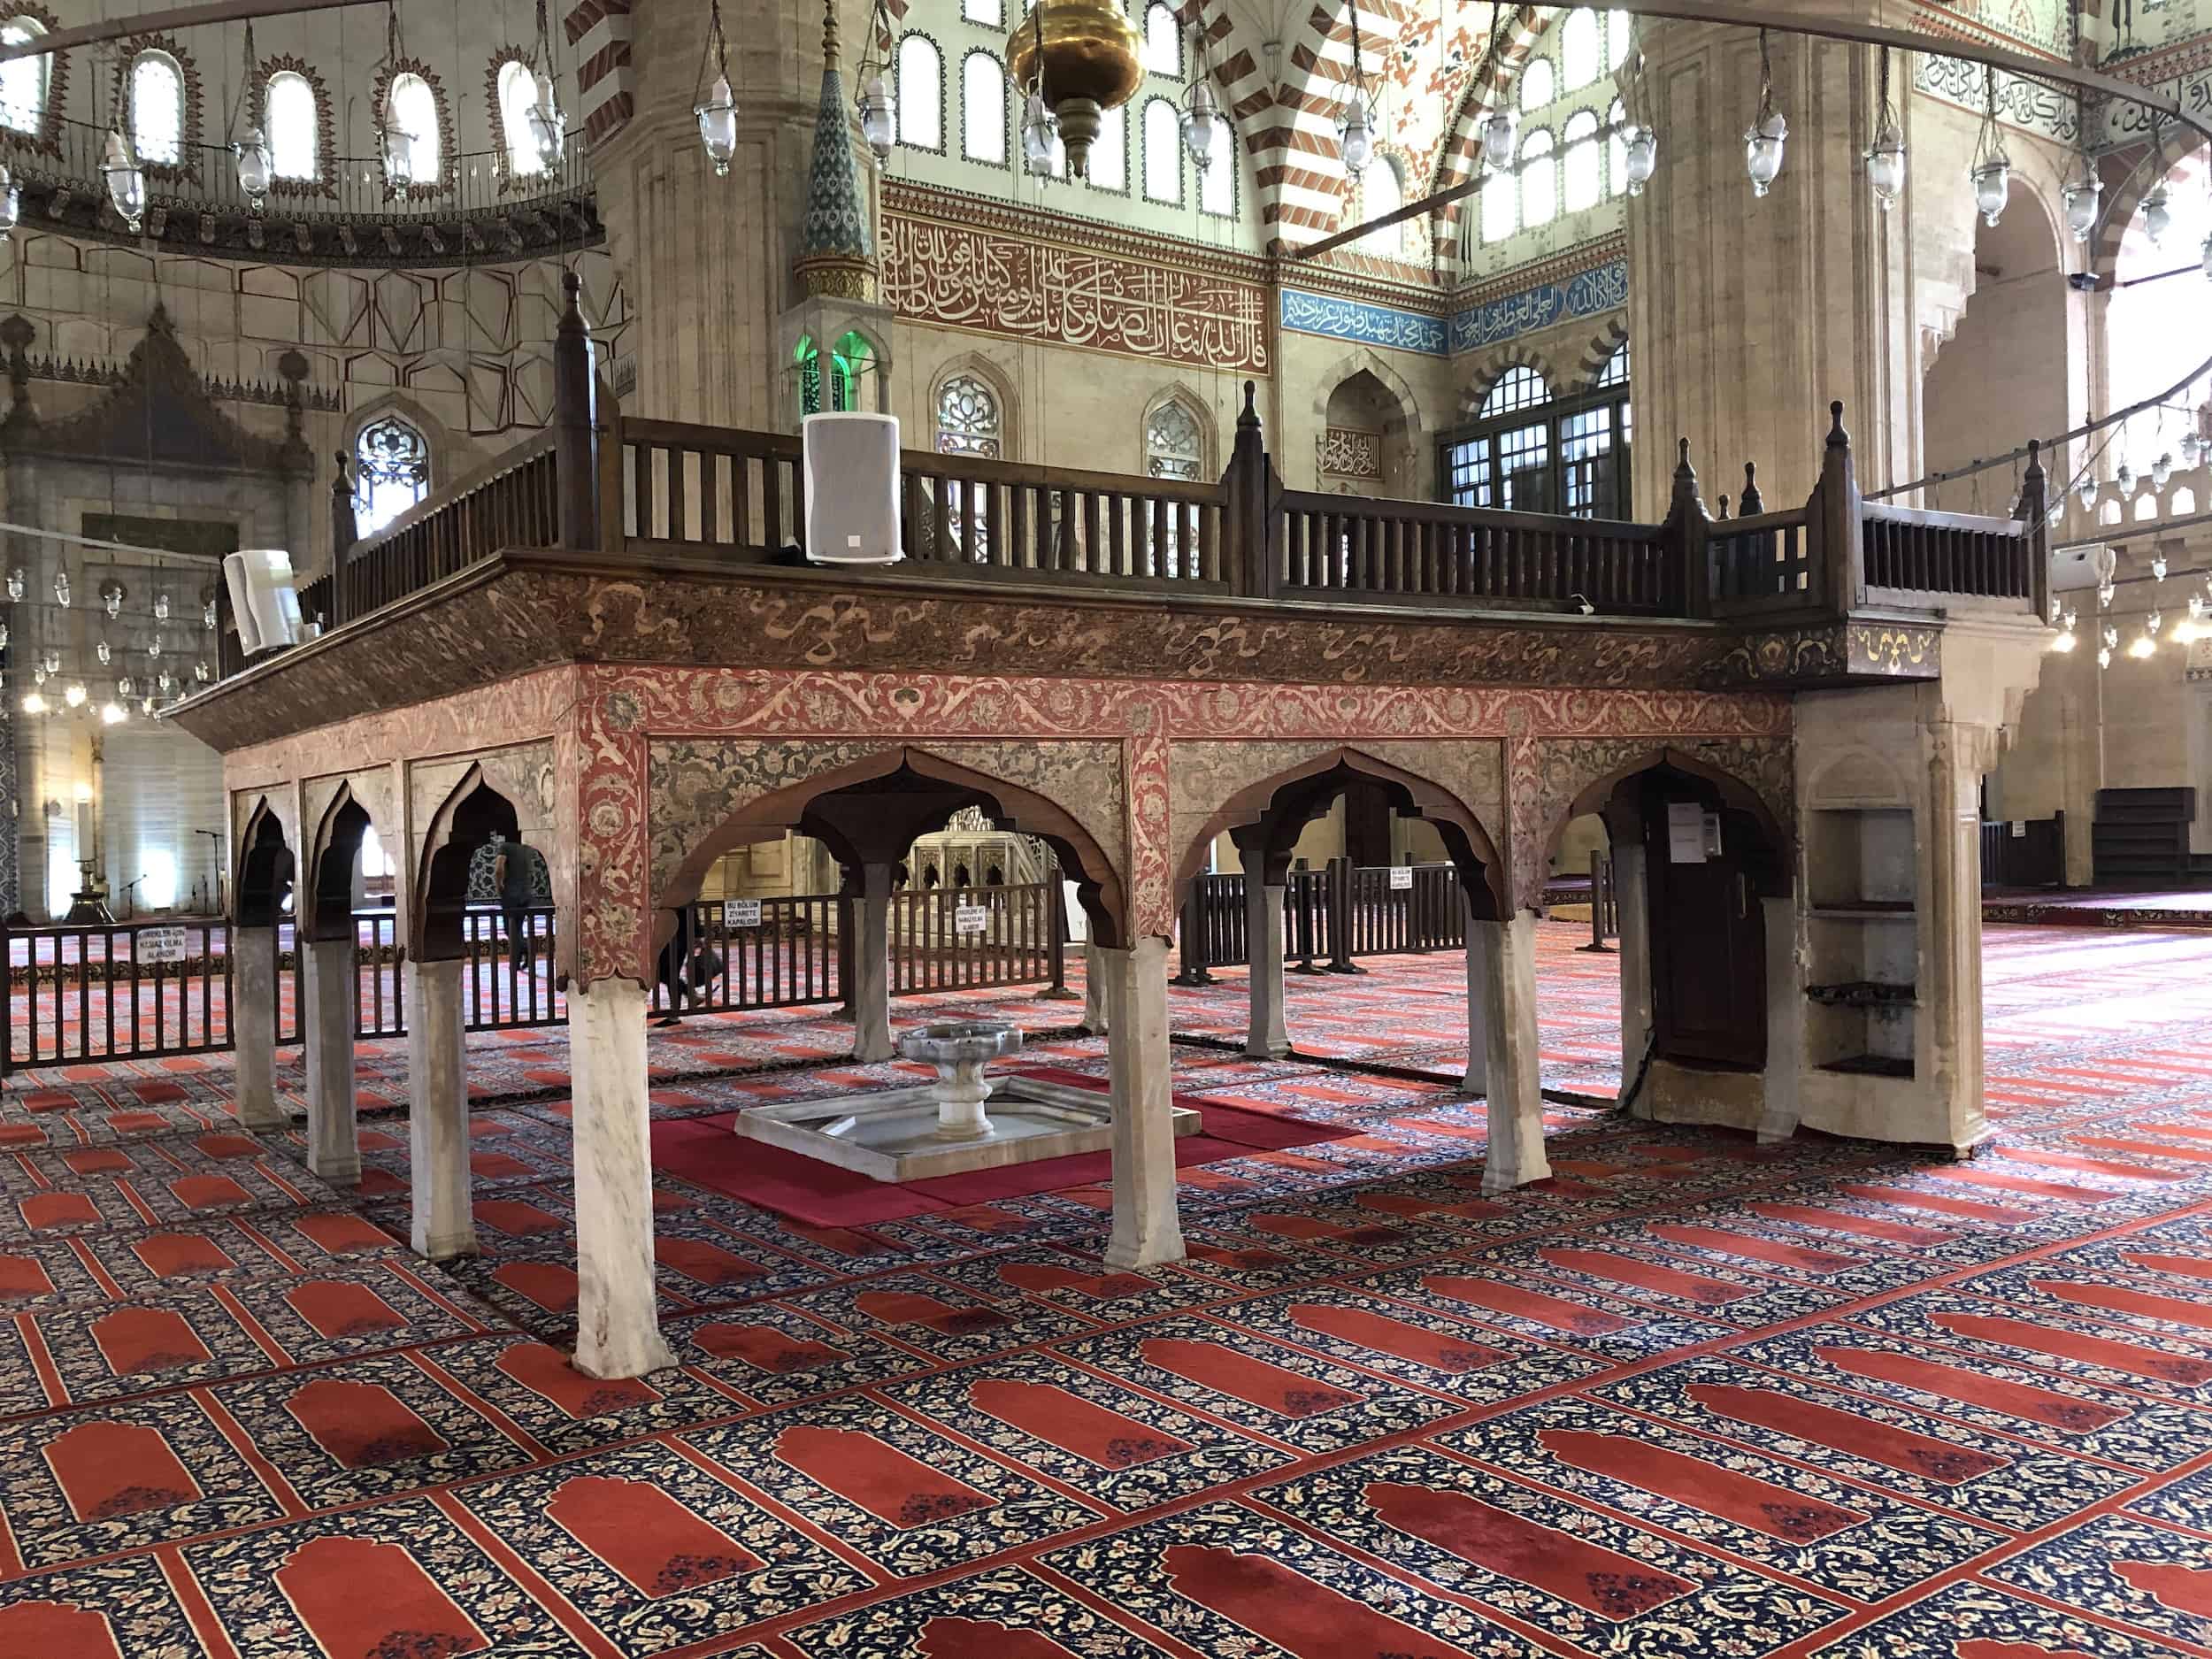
<point x="852" y="489"/>
<point x="263" y="601"/>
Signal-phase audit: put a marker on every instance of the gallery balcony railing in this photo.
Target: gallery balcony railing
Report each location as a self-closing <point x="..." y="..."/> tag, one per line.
<point x="478" y="208"/>
<point x="662" y="490"/>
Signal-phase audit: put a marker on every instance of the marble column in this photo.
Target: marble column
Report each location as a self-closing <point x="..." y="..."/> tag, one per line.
<point x="1096" y="1021"/>
<point x="1631" y="894"/>
<point x="1781" y="1085"/>
<point x="1147" y="1230"/>
<point x="326" y="1018"/>
<point x="1268" y="1034"/>
<point x="444" y="1223"/>
<point x="871" y="967"/>
<point x="618" y="1323"/>
<point x="1958" y="754"/>
<point x="253" y="1013"/>
<point x="1508" y="951"/>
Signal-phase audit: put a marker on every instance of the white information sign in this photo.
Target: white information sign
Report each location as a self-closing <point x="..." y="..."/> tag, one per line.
<point x="1712" y="834"/>
<point x="971" y="918"/>
<point x="160" y="944"/>
<point x="1079" y="919"/>
<point x="1685" y="832"/>
<point x="2019" y="829"/>
<point x="1401" y="878"/>
<point x="740" y="912"/>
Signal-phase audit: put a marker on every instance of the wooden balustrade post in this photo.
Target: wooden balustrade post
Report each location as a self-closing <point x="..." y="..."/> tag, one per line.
<point x="1338" y="878"/>
<point x="575" y="465"/>
<point x="344" y="534"/>
<point x="1056" y="921"/>
<point x="607" y="432"/>
<point x="1600" y="880"/>
<point x="2034" y="513"/>
<point x="1688" y="528"/>
<point x="1839" y="557"/>
<point x="1248" y="496"/>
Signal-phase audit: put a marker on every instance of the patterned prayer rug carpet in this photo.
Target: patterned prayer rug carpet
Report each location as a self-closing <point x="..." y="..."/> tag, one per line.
<point x="1690" y="1396"/>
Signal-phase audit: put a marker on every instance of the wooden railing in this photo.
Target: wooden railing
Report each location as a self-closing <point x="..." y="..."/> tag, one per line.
<point x="597" y="480"/>
<point x="1921" y="552"/>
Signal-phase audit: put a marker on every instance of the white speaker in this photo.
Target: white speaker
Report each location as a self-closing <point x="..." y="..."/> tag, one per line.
<point x="852" y="489"/>
<point x="263" y="599"/>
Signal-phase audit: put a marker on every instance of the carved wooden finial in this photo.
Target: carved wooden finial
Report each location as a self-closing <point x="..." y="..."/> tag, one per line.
<point x="1251" y="415"/>
<point x="1838" y="438"/>
<point x="1751" y="504"/>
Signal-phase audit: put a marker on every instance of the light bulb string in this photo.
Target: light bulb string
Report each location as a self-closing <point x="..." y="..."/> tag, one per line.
<point x="713" y="50"/>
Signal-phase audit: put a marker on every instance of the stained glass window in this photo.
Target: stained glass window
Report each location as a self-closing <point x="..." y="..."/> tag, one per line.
<point x="851" y="359"/>
<point x="391" y="473"/>
<point x="157" y="109"/>
<point x="290" y="118"/>
<point x="968" y="417"/>
<point x="1174" y="447"/>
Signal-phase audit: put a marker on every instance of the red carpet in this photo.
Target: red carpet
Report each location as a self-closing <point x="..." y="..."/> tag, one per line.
<point x="709" y="1151"/>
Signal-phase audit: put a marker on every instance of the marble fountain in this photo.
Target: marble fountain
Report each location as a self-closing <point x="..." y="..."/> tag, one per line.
<point x="942" y="1128"/>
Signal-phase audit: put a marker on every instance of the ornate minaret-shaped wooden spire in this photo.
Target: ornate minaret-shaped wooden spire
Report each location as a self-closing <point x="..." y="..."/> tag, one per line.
<point x="837" y="257"/>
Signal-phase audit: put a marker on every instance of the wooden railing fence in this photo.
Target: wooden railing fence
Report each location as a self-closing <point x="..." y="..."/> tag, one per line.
<point x="2025" y="853"/>
<point x="596" y="481"/>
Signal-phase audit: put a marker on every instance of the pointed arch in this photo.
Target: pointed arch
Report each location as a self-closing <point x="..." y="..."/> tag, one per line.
<point x="1175" y="395"/>
<point x="1746" y="796"/>
<point x="324" y="908"/>
<point x="1490" y="370"/>
<point x="1599" y="352"/>
<point x="1457" y="147"/>
<point x="909" y="769"/>
<point x="264" y="875"/>
<point x="1282" y="803"/>
<point x="1367" y="358"/>
<point x="471" y="812"/>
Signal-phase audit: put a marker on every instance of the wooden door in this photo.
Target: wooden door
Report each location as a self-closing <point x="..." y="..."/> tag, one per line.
<point x="1707" y="943"/>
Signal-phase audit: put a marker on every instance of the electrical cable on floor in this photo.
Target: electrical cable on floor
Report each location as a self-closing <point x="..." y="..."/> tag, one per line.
<point x="1621" y="1108"/>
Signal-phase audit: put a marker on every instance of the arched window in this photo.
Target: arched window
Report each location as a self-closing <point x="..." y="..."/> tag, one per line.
<point x="1110" y="151"/>
<point x="1582" y="166"/>
<point x="1382" y="190"/>
<point x="1518" y="388"/>
<point x="1581" y="51"/>
<point x="1501" y="209"/>
<point x="1616" y="370"/>
<point x="921" y="99"/>
<point x="1532" y="452"/>
<point x="1540" y="180"/>
<point x="968" y="417"/>
<point x="990" y="14"/>
<point x="414" y="111"/>
<point x="1162" y="40"/>
<point x="1174" y="443"/>
<point x="1537" y="89"/>
<point x="1218" y="184"/>
<point x="983" y="109"/>
<point x="1620" y="38"/>
<point x="1162" y="152"/>
<point x="157" y="109"/>
<point x="24" y="80"/>
<point x="518" y="93"/>
<point x="1617" y="149"/>
<point x="289" y="122"/>
<point x="391" y="472"/>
